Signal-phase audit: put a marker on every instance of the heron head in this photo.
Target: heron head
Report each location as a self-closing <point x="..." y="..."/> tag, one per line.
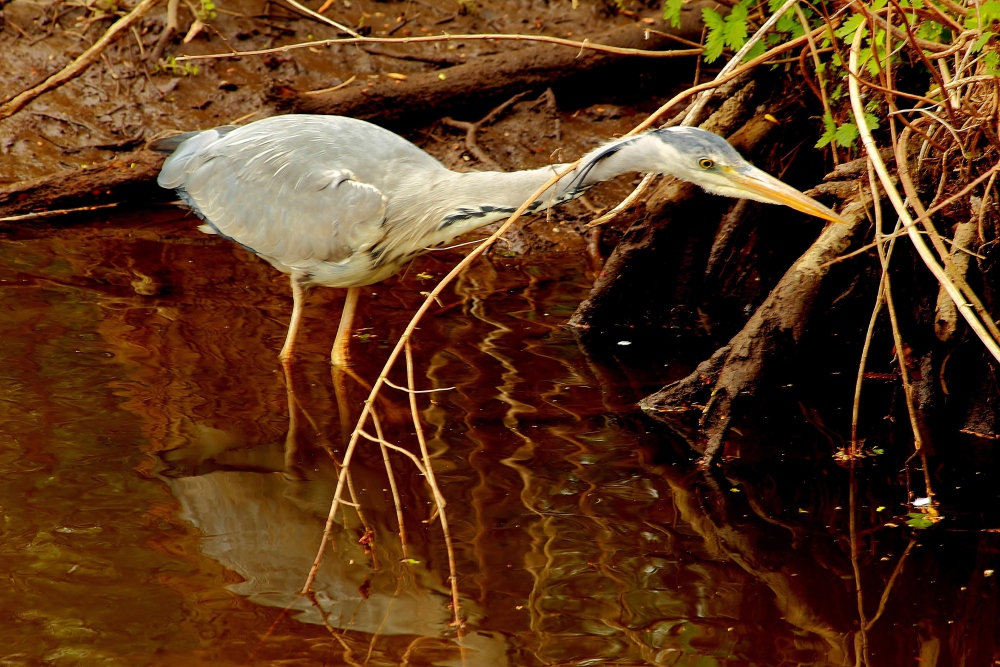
<point x="707" y="160"/>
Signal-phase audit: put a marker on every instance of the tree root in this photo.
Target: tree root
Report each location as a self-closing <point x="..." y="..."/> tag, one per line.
<point x="737" y="369"/>
<point x="472" y="128"/>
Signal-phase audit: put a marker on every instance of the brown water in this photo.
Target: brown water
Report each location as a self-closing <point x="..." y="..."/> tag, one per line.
<point x="161" y="505"/>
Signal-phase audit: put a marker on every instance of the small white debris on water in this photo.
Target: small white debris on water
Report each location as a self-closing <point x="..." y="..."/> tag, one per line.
<point x="624" y="342"/>
<point x="921" y="502"/>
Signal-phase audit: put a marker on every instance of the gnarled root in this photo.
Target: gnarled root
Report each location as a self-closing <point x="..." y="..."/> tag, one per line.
<point x="737" y="369"/>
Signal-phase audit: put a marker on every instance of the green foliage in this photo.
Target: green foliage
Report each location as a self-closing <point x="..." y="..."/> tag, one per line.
<point x="919" y="520"/>
<point x="171" y="66"/>
<point x="206" y="12"/>
<point x="830" y="130"/>
<point x="843" y="135"/>
<point x="988" y="12"/>
<point x="730" y="31"/>
<point x="106" y="6"/>
<point x="879" y="49"/>
<point x="932" y="31"/>
<point x="672" y="12"/>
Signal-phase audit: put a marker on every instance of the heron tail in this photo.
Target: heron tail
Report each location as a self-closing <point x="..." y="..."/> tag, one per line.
<point x="170" y="144"/>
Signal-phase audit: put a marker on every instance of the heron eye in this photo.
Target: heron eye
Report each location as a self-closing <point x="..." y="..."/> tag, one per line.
<point x="705" y="163"/>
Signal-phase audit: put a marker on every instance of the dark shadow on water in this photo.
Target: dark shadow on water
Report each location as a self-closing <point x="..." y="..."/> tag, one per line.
<point x="163" y="497"/>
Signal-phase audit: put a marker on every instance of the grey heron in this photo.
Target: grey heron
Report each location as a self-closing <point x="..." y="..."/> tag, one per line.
<point x="341" y="202"/>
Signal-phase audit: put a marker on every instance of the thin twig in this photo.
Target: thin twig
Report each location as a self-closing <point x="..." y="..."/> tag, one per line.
<point x="889" y="584"/>
<point x="416" y="391"/>
<point x="862" y="655"/>
<point x="625" y="203"/>
<point x="901" y="359"/>
<point x="62" y="211"/>
<point x="321" y="91"/>
<point x="897" y="201"/>
<point x="435" y="489"/>
<point x="819" y="70"/>
<point x="297" y="6"/>
<point x="879" y="300"/>
<point x="902" y="167"/>
<point x="168" y="31"/>
<point x="385" y="443"/>
<point x="392" y="484"/>
<point x="586" y="45"/>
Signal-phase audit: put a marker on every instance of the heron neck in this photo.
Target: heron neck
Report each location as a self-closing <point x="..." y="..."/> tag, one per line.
<point x="486" y="196"/>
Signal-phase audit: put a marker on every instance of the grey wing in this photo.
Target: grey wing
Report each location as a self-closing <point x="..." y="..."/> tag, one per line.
<point x="284" y="199"/>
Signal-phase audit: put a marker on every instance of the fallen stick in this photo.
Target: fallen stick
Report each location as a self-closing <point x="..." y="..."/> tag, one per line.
<point x="78" y="66"/>
<point x="481" y="84"/>
<point x="57" y="212"/>
<point x="131" y="178"/>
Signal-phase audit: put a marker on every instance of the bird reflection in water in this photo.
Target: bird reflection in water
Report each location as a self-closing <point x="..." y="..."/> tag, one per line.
<point x="262" y="510"/>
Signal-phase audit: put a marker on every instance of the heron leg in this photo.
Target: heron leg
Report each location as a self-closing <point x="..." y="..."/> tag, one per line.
<point x="338" y="355"/>
<point x="298" y="296"/>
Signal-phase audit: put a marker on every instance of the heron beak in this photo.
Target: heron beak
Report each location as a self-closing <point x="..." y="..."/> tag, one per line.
<point x="765" y="187"/>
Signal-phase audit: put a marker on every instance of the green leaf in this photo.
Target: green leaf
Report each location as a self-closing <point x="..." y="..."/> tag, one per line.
<point x="730" y="31"/>
<point x="992" y="62"/>
<point x="830" y="128"/>
<point x="714" y="39"/>
<point x="849" y="26"/>
<point x="932" y="31"/>
<point x="756" y="50"/>
<point x="978" y="45"/>
<point x="871" y="121"/>
<point x="866" y="59"/>
<point x="919" y="521"/>
<point x="736" y="26"/>
<point x="672" y="12"/>
<point x="846" y="134"/>
<point x="789" y="23"/>
<point x="712" y="20"/>
<point x="988" y="12"/>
